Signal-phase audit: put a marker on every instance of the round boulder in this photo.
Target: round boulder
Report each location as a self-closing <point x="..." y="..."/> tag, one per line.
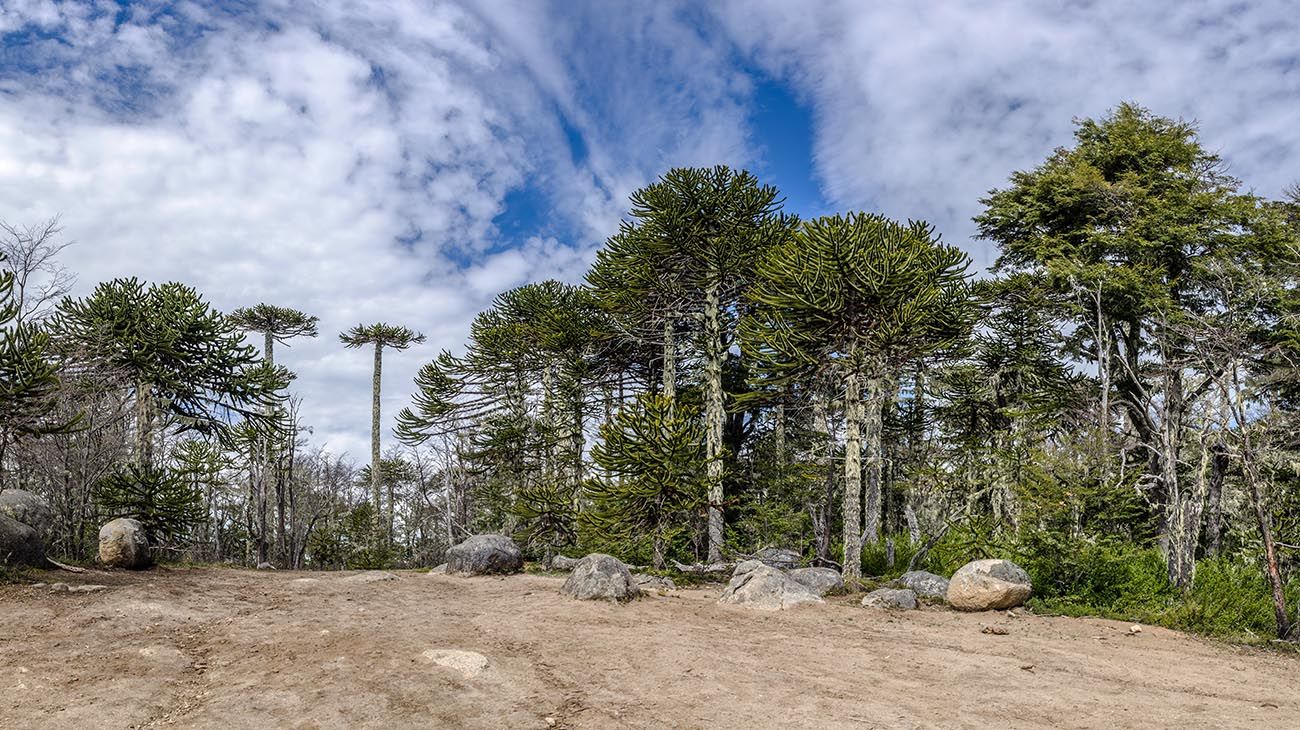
<point x="818" y="580"/>
<point x="28" y="509"/>
<point x="19" y="543"/>
<point x="925" y="585"/>
<point x="122" y="544"/>
<point x="485" y="555"/>
<point x="600" y="577"/>
<point x="767" y="589"/>
<point x="988" y="585"/>
<point x="900" y="599"/>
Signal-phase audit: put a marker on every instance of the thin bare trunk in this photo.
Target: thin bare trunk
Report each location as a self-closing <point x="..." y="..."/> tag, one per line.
<point x="853" y="418"/>
<point x="713" y="417"/>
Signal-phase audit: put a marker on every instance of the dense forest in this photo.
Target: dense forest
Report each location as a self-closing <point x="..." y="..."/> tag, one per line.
<point x="1115" y="404"/>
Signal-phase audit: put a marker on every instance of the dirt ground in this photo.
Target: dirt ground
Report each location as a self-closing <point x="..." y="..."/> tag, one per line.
<point x="230" y="649"/>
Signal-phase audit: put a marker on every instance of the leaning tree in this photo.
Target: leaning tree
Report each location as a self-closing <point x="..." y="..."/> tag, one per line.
<point x="381" y="335"/>
<point x="853" y="299"/>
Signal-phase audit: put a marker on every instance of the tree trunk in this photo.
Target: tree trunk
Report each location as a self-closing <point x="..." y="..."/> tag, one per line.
<point x="670" y="361"/>
<point x="872" y="427"/>
<point x="853" y="418"/>
<point x="1265" y="524"/>
<point x="821" y="454"/>
<point x="713" y="417"/>
<point x="375" y="480"/>
<point x="1184" y="503"/>
<point x="1214" y="520"/>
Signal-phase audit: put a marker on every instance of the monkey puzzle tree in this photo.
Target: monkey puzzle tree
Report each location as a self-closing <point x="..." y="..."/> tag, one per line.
<point x="276" y="324"/>
<point x="187" y="363"/>
<point x="29" y="379"/>
<point x="381" y="335"/>
<point x="650" y="454"/>
<point x="698" y="236"/>
<point x="854" y="298"/>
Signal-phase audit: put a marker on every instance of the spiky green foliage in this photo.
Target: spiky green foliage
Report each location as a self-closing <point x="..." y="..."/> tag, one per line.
<point x="853" y="299"/>
<point x="651" y="455"/>
<point x="187" y="359"/>
<point x="279" y="323"/>
<point x="29" y="378"/>
<point x="166" y="503"/>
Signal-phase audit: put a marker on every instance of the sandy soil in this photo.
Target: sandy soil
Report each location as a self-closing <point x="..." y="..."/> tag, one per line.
<point x="237" y="649"/>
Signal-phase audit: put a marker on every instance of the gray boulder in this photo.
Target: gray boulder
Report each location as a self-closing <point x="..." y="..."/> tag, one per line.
<point x="28" y="509"/>
<point x="485" y="555"/>
<point x="122" y="544"/>
<point x="745" y="566"/>
<point x="653" y="582"/>
<point x="818" y="580"/>
<point x="767" y="589"/>
<point x="779" y="558"/>
<point x="925" y="585"/>
<point x="898" y="599"/>
<point x="560" y="562"/>
<point x="988" y="585"/>
<point x="20" y="544"/>
<point x="600" y="577"/>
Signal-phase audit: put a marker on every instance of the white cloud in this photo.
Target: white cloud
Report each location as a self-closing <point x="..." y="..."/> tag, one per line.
<point x="344" y="158"/>
<point x="922" y="107"/>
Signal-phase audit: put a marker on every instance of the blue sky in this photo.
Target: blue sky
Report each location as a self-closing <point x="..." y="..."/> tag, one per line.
<point x="406" y="160"/>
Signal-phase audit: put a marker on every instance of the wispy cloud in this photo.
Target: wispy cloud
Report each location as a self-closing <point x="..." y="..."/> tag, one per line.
<point x="349" y="158"/>
<point x="922" y="107"/>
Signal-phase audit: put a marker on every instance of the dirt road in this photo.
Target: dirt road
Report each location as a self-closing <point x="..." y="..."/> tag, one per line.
<point x="234" y="649"/>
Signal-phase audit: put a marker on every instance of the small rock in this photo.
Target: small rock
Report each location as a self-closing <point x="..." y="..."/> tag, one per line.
<point x="780" y="558"/>
<point x="925" y="585"/>
<point x="59" y="588"/>
<point x="468" y="663"/>
<point x="484" y="555"/>
<point x="88" y="588"/>
<point x="903" y="599"/>
<point x="561" y="562"/>
<point x="440" y="570"/>
<point x="985" y="585"/>
<point x="265" y="566"/>
<point x="818" y="580"/>
<point x="653" y="582"/>
<point x="767" y="589"/>
<point x="122" y="544"/>
<point x="600" y="577"/>
<point x="994" y="630"/>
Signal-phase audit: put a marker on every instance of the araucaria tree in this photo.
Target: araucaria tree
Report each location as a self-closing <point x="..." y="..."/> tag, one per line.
<point x="854" y="298"/>
<point x="276" y="324"/>
<point x="381" y="336"/>
<point x="696" y="238"/>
